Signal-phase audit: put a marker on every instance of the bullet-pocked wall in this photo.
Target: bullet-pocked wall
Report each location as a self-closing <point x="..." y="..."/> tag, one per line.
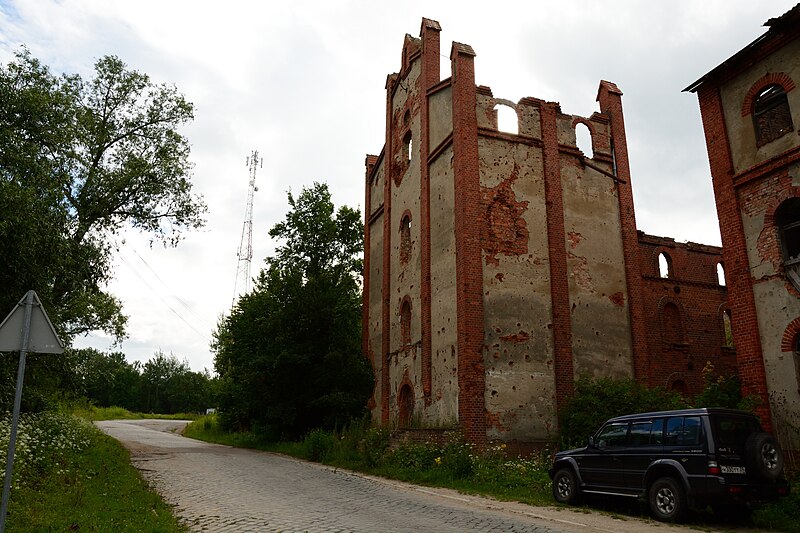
<point x="500" y="265"/>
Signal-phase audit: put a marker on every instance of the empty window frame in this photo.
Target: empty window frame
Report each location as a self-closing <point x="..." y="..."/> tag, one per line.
<point x="787" y="220"/>
<point x="665" y="266"/>
<point x="405" y="238"/>
<point x="772" y="117"/>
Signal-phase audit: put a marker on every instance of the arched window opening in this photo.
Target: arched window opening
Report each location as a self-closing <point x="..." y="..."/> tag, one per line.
<point x="721" y="274"/>
<point x="665" y="266"/>
<point x="787" y="220"/>
<point x="727" y="325"/>
<point x="583" y="139"/>
<point x="408" y="147"/>
<point x="772" y="117"/>
<point x="679" y="386"/>
<point x="507" y="119"/>
<point x="405" y="404"/>
<point x="672" y="329"/>
<point x="405" y="323"/>
<point x="405" y="239"/>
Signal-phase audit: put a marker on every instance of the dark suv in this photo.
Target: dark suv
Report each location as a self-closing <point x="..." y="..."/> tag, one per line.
<point x="676" y="460"/>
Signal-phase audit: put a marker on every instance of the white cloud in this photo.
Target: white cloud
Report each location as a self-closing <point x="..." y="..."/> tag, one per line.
<point x="303" y="82"/>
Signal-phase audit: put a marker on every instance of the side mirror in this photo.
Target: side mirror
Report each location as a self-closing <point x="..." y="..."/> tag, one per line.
<point x="591" y="442"/>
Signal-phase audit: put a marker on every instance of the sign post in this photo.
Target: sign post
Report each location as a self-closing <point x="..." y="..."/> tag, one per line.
<point x="26" y="328"/>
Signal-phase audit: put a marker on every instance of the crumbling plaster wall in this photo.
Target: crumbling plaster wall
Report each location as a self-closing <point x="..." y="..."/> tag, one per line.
<point x="405" y="360"/>
<point x="518" y="352"/>
<point x="375" y="252"/>
<point x="777" y="301"/>
<point x="601" y="333"/>
<point x="443" y="410"/>
<point x="740" y="129"/>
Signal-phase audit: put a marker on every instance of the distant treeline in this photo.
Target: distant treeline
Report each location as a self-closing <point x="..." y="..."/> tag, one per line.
<point x="164" y="384"/>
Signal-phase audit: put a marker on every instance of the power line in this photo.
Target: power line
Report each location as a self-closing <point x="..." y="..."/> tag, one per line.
<point x="124" y="260"/>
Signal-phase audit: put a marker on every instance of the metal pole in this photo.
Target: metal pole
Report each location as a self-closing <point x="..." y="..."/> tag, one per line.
<point x="26" y="333"/>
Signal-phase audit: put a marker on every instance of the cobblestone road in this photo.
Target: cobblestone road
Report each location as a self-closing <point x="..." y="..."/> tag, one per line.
<point x="222" y="489"/>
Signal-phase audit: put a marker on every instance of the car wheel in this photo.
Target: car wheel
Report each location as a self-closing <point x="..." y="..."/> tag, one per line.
<point x="764" y="456"/>
<point x="667" y="500"/>
<point x="565" y="487"/>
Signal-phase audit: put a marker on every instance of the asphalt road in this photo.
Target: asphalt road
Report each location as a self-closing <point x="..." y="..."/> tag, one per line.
<point x="223" y="489"/>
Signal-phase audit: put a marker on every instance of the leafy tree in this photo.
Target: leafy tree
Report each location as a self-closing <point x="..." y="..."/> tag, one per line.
<point x="289" y="354"/>
<point x="80" y="160"/>
<point x="596" y="400"/>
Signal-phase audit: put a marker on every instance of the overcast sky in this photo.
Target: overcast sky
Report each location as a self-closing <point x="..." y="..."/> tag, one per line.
<point x="303" y="83"/>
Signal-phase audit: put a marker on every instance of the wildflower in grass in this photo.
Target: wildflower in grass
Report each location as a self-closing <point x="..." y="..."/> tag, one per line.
<point x="438" y="461"/>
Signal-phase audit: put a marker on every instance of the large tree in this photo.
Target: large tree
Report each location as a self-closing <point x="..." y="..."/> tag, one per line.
<point x="79" y="161"/>
<point x="289" y="354"/>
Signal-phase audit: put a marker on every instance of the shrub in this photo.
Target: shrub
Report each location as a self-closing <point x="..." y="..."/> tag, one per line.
<point x="318" y="444"/>
<point x="596" y="400"/>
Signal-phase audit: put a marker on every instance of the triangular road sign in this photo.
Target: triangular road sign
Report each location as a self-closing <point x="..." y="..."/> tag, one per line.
<point x="43" y="338"/>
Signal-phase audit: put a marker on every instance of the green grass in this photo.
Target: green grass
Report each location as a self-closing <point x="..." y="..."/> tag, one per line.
<point x="90" y="412"/>
<point x="456" y="465"/>
<point x="69" y="476"/>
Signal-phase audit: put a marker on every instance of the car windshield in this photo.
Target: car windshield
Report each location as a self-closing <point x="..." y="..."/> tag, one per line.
<point x="734" y="430"/>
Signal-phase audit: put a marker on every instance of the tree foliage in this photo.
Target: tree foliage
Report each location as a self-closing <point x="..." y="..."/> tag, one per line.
<point x="80" y="160"/>
<point x="289" y="354"/>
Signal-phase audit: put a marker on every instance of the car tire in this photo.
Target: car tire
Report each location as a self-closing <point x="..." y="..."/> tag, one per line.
<point x="565" y="487"/>
<point x="764" y="456"/>
<point x="667" y="500"/>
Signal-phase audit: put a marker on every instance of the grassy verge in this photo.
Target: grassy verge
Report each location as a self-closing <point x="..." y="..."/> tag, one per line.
<point x="90" y="412"/>
<point x="69" y="476"/>
<point x="457" y="466"/>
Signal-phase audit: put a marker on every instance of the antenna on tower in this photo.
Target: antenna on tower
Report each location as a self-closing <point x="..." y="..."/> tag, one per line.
<point x="245" y="254"/>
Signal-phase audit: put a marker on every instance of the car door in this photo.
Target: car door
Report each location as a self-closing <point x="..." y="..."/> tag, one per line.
<point x="645" y="446"/>
<point x="601" y="466"/>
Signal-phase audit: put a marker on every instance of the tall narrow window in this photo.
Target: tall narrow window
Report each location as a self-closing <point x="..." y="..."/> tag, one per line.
<point x="771" y="115"/>
<point x="787" y="220"/>
<point x="797" y="361"/>
<point x="672" y="329"/>
<point x="507" y="119"/>
<point x="727" y="325"/>
<point x="405" y="238"/>
<point x="665" y="266"/>
<point x="583" y="139"/>
<point x="721" y="274"/>
<point x="405" y="323"/>
<point x="408" y="147"/>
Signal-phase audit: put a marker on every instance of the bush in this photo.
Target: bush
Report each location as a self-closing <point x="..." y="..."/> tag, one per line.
<point x="596" y="400"/>
<point x="318" y="444"/>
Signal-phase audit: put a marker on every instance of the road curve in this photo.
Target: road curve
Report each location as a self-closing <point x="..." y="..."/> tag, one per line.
<point x="222" y="489"/>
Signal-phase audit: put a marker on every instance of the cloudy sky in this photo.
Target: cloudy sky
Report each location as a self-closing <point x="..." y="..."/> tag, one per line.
<point x="302" y="82"/>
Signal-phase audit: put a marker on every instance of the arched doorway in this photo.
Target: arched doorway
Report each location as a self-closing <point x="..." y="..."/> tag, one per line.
<point x="405" y="401"/>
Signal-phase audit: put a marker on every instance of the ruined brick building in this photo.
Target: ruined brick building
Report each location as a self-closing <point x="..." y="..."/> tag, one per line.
<point x="501" y="266"/>
<point x="750" y="107"/>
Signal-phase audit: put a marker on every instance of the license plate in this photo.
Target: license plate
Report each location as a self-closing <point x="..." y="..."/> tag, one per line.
<point x="733" y="469"/>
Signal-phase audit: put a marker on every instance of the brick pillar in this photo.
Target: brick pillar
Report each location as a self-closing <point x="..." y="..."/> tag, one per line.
<point x="610" y="98"/>
<point x="469" y="270"/>
<point x="429" y="77"/>
<point x="556" y="244"/>
<point x="741" y="300"/>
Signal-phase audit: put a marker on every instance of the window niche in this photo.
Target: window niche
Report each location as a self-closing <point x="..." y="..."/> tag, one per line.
<point x="405" y="239"/>
<point x="772" y="117"/>
<point x="405" y="323"/>
<point x="787" y="220"/>
<point x="665" y="266"/>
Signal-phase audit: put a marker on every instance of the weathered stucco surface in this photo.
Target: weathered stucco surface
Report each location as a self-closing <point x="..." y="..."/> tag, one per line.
<point x="444" y="407"/>
<point x="518" y="339"/>
<point x="601" y="336"/>
<point x="740" y="128"/>
<point x="440" y="111"/>
<point x="376" y="310"/>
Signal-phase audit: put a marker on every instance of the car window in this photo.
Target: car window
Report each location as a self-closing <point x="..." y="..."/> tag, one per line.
<point x="657" y="433"/>
<point x="640" y="433"/>
<point x="733" y="430"/>
<point x="615" y="434"/>
<point x="683" y="431"/>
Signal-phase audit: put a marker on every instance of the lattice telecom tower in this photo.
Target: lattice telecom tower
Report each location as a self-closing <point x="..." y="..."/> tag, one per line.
<point x="245" y="253"/>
